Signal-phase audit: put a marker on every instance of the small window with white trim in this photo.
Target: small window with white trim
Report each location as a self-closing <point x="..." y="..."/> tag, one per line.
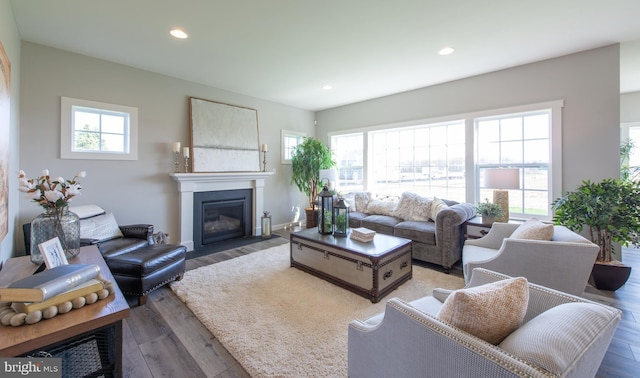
<point x="96" y="130"/>
<point x="290" y="140"/>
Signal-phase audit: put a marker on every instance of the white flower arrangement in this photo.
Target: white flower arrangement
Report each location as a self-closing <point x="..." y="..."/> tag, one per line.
<point x="48" y="193"/>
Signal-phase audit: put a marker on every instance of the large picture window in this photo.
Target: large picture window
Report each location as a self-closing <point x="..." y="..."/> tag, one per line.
<point x="95" y="130"/>
<point x="448" y="159"/>
<point x="517" y="141"/>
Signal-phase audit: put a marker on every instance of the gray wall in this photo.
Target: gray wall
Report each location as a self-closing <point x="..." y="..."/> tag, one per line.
<point x="135" y="191"/>
<point x="588" y="82"/>
<point x="11" y="42"/>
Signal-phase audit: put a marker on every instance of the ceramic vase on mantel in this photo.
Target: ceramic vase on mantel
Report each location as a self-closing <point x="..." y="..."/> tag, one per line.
<point x="55" y="222"/>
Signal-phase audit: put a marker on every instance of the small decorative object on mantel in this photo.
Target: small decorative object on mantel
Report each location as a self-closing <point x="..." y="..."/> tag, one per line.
<point x="362" y="234"/>
<point x="325" y="211"/>
<point x="176" y="156"/>
<point x="54" y="196"/>
<point x="264" y="150"/>
<point x="185" y="154"/>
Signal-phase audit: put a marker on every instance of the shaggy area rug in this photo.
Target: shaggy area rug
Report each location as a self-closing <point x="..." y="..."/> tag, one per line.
<point x="278" y="321"/>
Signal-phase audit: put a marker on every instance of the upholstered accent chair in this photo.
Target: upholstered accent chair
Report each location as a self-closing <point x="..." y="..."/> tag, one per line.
<point x="562" y="263"/>
<point x="560" y="335"/>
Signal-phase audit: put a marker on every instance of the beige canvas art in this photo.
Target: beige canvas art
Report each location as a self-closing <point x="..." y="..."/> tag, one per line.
<point x="5" y="80"/>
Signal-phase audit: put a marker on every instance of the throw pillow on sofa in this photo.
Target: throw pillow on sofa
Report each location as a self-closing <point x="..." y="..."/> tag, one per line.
<point x="102" y="228"/>
<point x="491" y="311"/>
<point x="380" y="207"/>
<point x="412" y="207"/>
<point x="436" y="206"/>
<point x="533" y="229"/>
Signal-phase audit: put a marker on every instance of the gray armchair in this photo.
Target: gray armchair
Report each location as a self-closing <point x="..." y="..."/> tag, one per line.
<point x="563" y="264"/>
<point x="561" y="336"/>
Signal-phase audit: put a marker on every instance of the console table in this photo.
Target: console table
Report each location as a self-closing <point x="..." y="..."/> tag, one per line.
<point x="97" y="326"/>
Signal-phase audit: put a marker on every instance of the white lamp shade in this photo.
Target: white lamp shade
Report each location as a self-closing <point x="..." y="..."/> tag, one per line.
<point x="331" y="175"/>
<point x="502" y="178"/>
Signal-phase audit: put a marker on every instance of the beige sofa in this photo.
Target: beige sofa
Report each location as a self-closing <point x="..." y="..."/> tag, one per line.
<point x="437" y="234"/>
<point x="561" y="336"/>
<point x="563" y="263"/>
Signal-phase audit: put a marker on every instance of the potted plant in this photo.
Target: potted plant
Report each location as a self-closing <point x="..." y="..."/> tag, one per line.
<point x="307" y="160"/>
<point x="611" y="211"/>
<point x="489" y="211"/>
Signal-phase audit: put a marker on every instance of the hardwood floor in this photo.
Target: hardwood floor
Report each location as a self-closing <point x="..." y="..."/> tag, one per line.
<point x="164" y="339"/>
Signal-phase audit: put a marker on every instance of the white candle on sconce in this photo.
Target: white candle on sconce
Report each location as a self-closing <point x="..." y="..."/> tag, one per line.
<point x="176" y="147"/>
<point x="185" y="152"/>
<point x="264" y="148"/>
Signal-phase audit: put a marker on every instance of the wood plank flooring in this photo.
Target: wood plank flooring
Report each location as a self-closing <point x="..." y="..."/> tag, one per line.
<point x="164" y="339"/>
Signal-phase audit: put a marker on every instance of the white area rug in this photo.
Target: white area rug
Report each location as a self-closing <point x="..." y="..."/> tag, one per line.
<point x="278" y="321"/>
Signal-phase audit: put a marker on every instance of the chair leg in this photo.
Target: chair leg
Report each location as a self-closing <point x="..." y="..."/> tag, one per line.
<point x="179" y="278"/>
<point x="142" y="300"/>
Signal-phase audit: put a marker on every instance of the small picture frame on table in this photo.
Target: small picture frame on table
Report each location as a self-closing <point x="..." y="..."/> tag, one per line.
<point x="52" y="253"/>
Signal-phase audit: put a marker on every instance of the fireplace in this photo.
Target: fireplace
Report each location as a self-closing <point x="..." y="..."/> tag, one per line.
<point x="221" y="215"/>
<point x="190" y="184"/>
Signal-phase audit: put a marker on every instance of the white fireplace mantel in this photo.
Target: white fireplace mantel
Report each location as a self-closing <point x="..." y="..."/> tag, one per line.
<point x="189" y="183"/>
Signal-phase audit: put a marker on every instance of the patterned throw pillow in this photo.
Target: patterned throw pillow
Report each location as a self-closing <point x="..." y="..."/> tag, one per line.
<point x="490" y="312"/>
<point x="101" y="228"/>
<point x="533" y="229"/>
<point x="413" y="207"/>
<point x="362" y="200"/>
<point x="436" y="206"/>
<point x="380" y="207"/>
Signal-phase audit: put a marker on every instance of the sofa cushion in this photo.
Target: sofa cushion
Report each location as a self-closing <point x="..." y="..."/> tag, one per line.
<point x="380" y="223"/>
<point x="436" y="206"/>
<point x="355" y="219"/>
<point x="554" y="339"/>
<point x="412" y="207"/>
<point x="533" y="229"/>
<point x="423" y="232"/>
<point x="87" y="211"/>
<point x="380" y="207"/>
<point x="491" y="311"/>
<point x="102" y="227"/>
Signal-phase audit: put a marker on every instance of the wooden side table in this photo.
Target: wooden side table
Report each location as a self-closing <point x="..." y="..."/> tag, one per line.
<point x="100" y="323"/>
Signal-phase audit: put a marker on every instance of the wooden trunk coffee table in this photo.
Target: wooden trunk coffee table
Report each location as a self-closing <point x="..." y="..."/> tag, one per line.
<point x="371" y="269"/>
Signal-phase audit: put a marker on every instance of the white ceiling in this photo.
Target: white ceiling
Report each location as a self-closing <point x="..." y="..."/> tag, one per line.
<point x="286" y="50"/>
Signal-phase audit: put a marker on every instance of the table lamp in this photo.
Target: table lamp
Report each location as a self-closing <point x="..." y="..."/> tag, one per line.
<point x="501" y="179"/>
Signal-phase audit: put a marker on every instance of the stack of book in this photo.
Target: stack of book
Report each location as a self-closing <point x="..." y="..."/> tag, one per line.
<point x="362" y="234"/>
<point x="52" y="287"/>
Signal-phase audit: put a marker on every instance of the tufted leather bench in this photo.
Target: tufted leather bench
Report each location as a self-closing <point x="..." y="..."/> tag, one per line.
<point x="145" y="269"/>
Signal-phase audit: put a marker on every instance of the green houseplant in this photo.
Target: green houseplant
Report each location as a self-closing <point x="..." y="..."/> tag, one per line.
<point x="489" y="211"/>
<point x="610" y="209"/>
<point x="307" y="160"/>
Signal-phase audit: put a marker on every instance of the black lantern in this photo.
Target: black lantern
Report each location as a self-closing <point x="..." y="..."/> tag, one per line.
<point x="325" y="211"/>
<point x="340" y="218"/>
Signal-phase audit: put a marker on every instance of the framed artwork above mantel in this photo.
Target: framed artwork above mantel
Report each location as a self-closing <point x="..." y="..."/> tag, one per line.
<point x="224" y="137"/>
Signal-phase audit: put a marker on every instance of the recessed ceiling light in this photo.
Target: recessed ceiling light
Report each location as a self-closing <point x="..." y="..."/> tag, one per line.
<point x="178" y="33"/>
<point x="327" y="87"/>
<point x="446" y="50"/>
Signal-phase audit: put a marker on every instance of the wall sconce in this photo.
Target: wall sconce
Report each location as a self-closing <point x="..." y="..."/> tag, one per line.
<point x="500" y="179"/>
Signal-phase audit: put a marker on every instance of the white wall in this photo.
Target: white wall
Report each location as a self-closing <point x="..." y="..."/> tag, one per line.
<point x="630" y="107"/>
<point x="11" y="42"/>
<point x="588" y="82"/>
<point x="135" y="191"/>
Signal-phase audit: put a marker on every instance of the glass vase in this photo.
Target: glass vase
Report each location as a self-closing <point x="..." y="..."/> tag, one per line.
<point x="55" y="222"/>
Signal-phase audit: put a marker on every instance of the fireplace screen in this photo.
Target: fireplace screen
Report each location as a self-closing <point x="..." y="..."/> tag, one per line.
<point x="221" y="215"/>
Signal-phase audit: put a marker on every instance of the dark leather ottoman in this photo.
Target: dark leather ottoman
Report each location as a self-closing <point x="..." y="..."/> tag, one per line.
<point x="145" y="269"/>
